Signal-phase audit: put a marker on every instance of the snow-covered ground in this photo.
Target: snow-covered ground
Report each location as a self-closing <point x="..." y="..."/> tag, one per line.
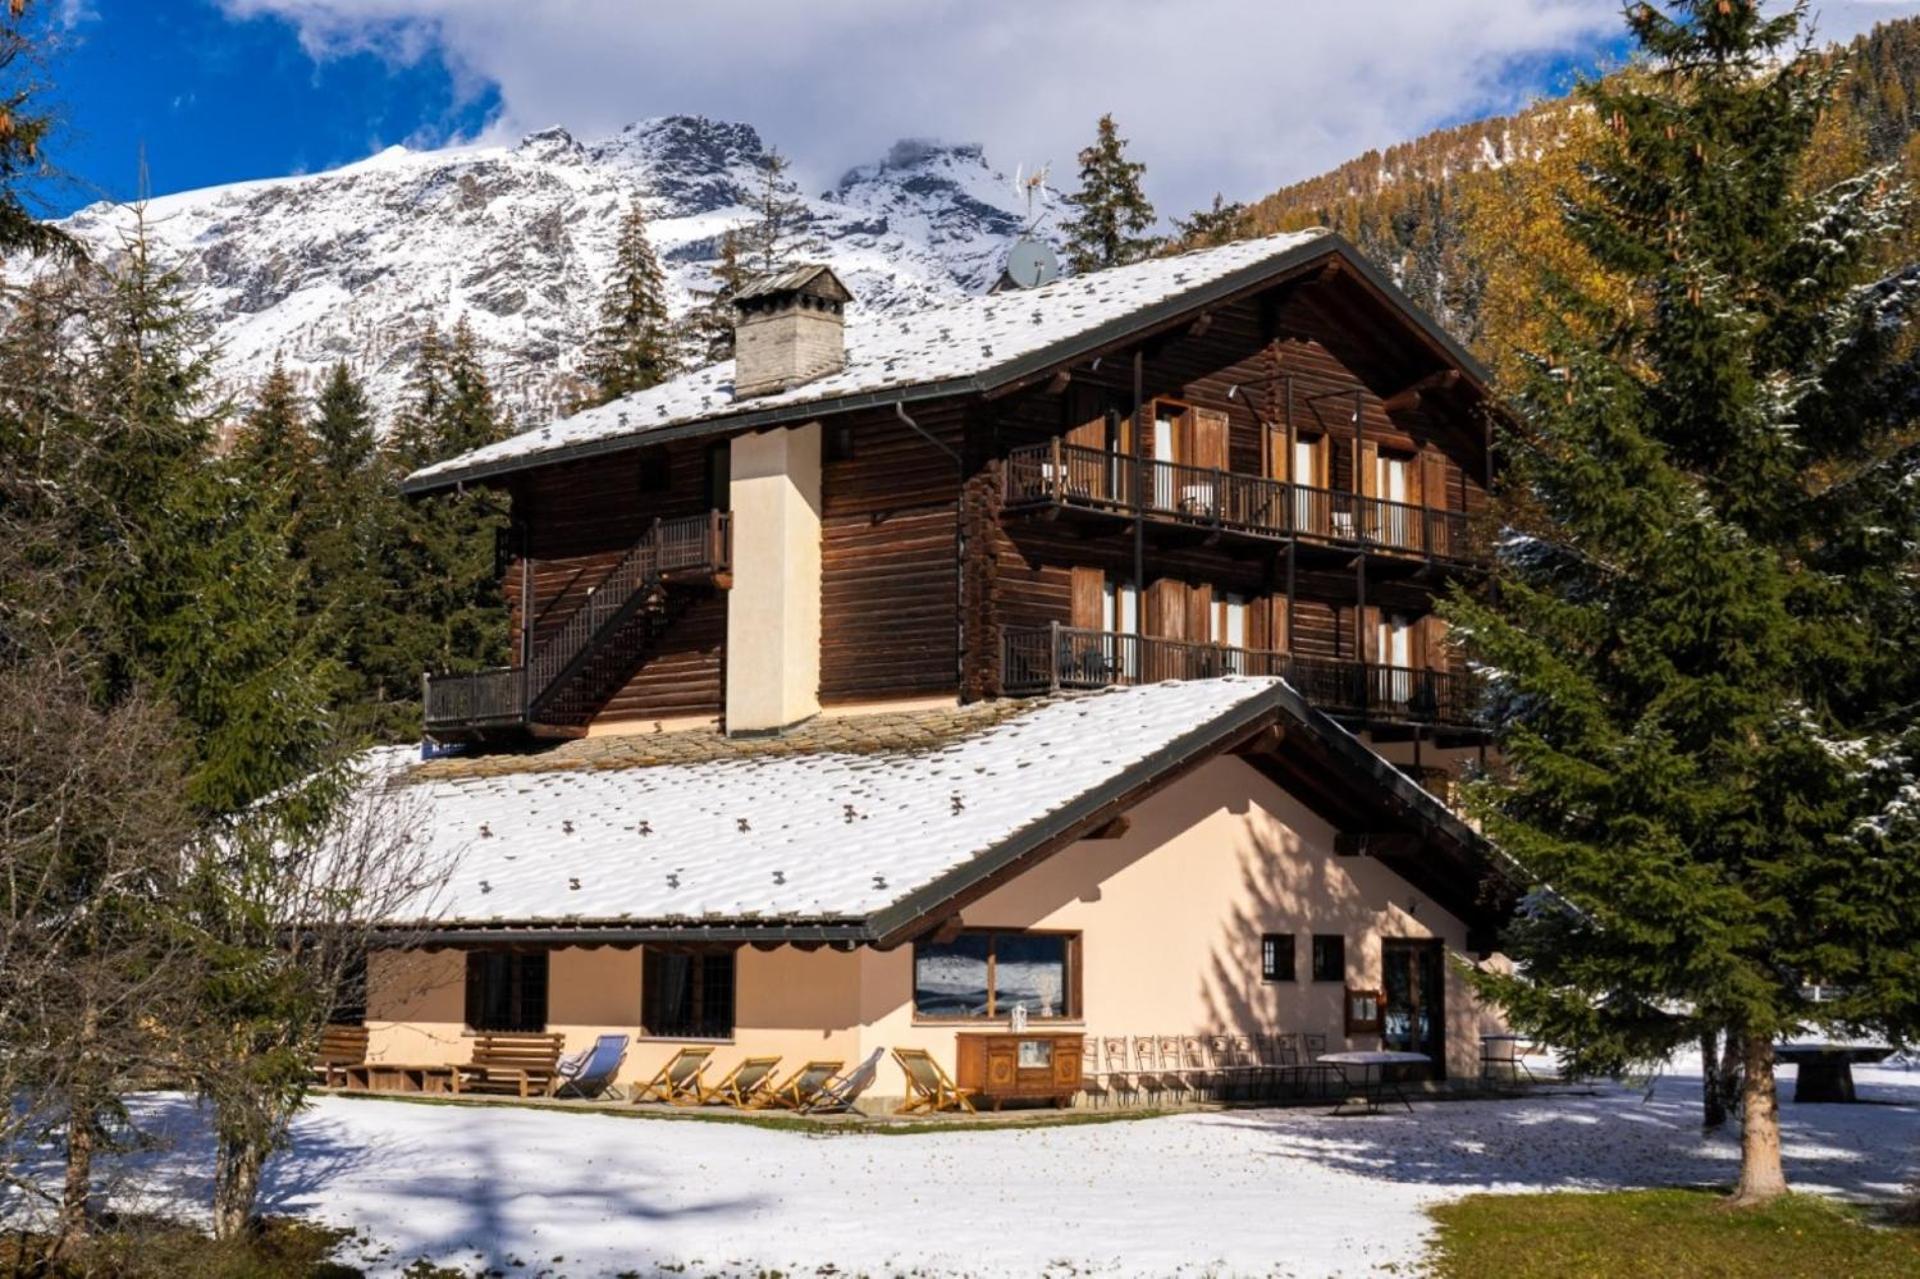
<point x="1292" y="1192"/>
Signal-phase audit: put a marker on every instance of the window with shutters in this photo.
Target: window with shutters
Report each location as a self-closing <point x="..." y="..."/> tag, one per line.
<point x="1329" y="957"/>
<point x="507" y="990"/>
<point x="686" y="994"/>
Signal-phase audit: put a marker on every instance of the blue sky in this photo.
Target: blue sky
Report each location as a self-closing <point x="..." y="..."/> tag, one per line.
<point x="1231" y="95"/>
<point x="215" y="98"/>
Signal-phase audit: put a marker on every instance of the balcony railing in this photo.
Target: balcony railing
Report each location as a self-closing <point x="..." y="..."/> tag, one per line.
<point x="511" y="695"/>
<point x="1045" y="659"/>
<point x="1072" y="475"/>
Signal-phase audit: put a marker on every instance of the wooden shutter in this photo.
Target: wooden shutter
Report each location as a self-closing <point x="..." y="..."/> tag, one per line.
<point x="1260" y="623"/>
<point x="1166" y="606"/>
<point x="1277" y="625"/>
<point x="1086" y="417"/>
<point x="1370" y="634"/>
<point x="1433" y="479"/>
<point x="1200" y="613"/>
<point x="1366" y="462"/>
<point x="1432" y="647"/>
<point x="1209" y="439"/>
<point x="1089" y="594"/>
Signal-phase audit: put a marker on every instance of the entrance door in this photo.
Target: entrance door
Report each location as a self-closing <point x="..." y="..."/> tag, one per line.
<point x="1414" y="1019"/>
<point x="1164" y="487"/>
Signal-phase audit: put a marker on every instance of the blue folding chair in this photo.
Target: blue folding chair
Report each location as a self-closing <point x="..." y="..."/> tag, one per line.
<point x="589" y="1074"/>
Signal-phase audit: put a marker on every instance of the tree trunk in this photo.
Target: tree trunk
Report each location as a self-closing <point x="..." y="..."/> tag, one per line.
<point x="236" y="1186"/>
<point x="76" y="1193"/>
<point x="1713" y="1092"/>
<point x="1762" y="1178"/>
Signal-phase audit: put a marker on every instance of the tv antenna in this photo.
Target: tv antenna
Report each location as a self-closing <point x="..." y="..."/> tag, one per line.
<point x="1031" y="261"/>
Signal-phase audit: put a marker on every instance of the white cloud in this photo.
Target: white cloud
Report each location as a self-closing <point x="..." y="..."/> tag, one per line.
<point x="1233" y="95"/>
<point x="1845" y="19"/>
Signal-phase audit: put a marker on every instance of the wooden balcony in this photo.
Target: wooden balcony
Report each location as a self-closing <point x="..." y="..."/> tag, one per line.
<point x="545" y="689"/>
<point x="1071" y="477"/>
<point x="1046" y="659"/>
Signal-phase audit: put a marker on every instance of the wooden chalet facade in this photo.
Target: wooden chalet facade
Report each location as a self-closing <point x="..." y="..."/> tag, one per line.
<point x="923" y="689"/>
<point x="1275" y="475"/>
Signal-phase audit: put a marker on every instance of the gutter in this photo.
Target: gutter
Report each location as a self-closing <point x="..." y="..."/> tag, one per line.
<point x="1065" y="351"/>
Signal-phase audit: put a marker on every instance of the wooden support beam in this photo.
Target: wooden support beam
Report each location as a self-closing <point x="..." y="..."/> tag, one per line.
<point x="1113" y="829"/>
<point x="1409" y="397"/>
<point x="1200" y="325"/>
<point x="1057" y="384"/>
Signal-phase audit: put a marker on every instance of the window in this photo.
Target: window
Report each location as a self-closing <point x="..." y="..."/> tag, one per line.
<point x="656" y="474"/>
<point x="839" y="443"/>
<point x="350" y="993"/>
<point x="985" y="974"/>
<point x="686" y="994"/>
<point x="506" y="990"/>
<point x="1276" y="957"/>
<point x="1329" y="957"/>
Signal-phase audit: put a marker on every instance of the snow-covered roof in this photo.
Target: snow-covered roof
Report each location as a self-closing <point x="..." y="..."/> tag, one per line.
<point x="821" y="837"/>
<point x="986" y="338"/>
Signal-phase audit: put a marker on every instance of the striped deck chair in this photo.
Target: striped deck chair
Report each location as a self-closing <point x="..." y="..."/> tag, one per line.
<point x="799" y="1090"/>
<point x="678" y="1078"/>
<point x="929" y="1091"/>
<point x="740" y="1086"/>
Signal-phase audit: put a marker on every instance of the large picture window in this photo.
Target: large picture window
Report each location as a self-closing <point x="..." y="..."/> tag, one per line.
<point x="507" y="990"/>
<point x="987" y="974"/>
<point x="686" y="994"/>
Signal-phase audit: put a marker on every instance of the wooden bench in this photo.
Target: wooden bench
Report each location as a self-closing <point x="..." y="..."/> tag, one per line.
<point x="525" y="1064"/>
<point x="340" y="1047"/>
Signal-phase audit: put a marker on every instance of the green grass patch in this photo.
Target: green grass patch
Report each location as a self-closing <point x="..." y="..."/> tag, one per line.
<point x="1676" y="1234"/>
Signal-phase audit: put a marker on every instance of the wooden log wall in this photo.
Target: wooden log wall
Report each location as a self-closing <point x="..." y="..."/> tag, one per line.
<point x="889" y="572"/>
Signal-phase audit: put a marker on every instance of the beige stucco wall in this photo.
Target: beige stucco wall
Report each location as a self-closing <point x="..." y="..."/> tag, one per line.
<point x="1170" y="916"/>
<point x="773" y="610"/>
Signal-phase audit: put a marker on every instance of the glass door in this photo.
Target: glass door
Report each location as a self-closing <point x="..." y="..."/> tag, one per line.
<point x="1414" y="1018"/>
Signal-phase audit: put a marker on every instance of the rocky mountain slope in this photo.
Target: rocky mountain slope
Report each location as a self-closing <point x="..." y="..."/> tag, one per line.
<point x="349" y="264"/>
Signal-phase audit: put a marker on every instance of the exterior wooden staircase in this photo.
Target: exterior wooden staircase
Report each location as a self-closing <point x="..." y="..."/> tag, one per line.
<point x="566" y="679"/>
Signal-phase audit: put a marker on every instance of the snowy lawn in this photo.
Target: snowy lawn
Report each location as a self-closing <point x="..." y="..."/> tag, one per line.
<point x="1292" y="1192"/>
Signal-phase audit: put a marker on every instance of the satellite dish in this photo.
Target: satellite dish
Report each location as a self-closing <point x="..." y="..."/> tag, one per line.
<point x="1031" y="263"/>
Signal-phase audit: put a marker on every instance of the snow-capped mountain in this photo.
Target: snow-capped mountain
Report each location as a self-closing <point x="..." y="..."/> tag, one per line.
<point x="350" y="263"/>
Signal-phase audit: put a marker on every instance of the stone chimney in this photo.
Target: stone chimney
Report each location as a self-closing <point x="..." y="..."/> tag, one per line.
<point x="788" y="329"/>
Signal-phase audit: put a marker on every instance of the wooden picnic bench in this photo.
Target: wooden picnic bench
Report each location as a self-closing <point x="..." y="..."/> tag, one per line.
<point x="340" y="1047"/>
<point x="398" y="1076"/>
<point x="1826" y="1070"/>
<point x="522" y="1063"/>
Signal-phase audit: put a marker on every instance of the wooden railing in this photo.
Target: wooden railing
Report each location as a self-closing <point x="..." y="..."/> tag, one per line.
<point x="1061" y="474"/>
<point x="508" y="695"/>
<point x="1045" y="659"/>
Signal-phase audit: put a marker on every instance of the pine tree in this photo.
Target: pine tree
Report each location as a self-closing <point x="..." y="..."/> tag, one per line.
<point x="272" y="439"/>
<point x="1208" y="228"/>
<point x="708" y="330"/>
<point x="341" y="432"/>
<point x="416" y="427"/>
<point x="24" y="131"/>
<point x="633" y="347"/>
<point x="1699" y="651"/>
<point x="780" y="234"/>
<point x="1113" y="212"/>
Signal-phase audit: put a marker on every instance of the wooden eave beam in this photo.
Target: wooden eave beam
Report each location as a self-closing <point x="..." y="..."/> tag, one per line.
<point x="1410" y="396"/>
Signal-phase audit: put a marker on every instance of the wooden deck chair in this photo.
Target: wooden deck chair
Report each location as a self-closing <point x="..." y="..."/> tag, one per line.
<point x="1193" y="1060"/>
<point x="799" y="1090"/>
<point x="929" y="1091"/>
<point x="679" y="1077"/>
<point x="1231" y="1077"/>
<point x="1253" y="1064"/>
<point x="738" y="1088"/>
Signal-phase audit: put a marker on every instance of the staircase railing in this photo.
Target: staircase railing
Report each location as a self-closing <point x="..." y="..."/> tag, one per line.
<point x="508" y="695"/>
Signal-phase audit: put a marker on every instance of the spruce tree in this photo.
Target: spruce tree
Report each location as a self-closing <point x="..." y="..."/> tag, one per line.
<point x="708" y="328"/>
<point x="1699" y="648"/>
<point x="1114" y="215"/>
<point x="1209" y="228"/>
<point x="23" y="130"/>
<point x="341" y="436"/>
<point x="780" y="234"/>
<point x="633" y="347"/>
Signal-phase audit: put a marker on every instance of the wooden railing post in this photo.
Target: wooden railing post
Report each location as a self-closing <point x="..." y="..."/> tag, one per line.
<point x="1053" y="657"/>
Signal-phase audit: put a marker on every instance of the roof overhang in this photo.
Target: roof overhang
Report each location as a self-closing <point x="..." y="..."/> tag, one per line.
<point x="996" y="377"/>
<point x="1277" y="732"/>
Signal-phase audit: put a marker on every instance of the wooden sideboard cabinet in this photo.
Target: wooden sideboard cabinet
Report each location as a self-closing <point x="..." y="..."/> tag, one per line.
<point x="1036" y="1066"/>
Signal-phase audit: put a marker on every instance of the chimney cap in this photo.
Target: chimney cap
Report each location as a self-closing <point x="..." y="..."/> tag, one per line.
<point x="809" y="279"/>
